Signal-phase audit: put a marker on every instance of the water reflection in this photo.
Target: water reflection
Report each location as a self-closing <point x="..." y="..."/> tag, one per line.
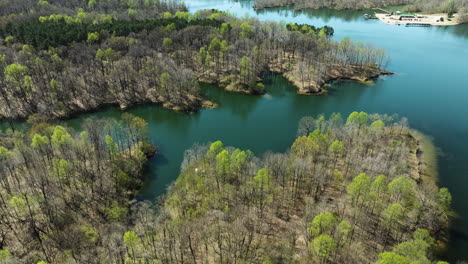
<point x="324" y="14"/>
<point x="231" y="101"/>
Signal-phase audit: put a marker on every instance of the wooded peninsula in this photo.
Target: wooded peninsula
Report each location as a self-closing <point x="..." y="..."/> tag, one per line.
<point x="347" y="191"/>
<point x="61" y="64"/>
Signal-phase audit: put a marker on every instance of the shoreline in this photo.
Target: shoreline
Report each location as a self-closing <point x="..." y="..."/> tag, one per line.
<point x="338" y="73"/>
<point x="426" y="155"/>
<point x="204" y="104"/>
<point x="456" y="16"/>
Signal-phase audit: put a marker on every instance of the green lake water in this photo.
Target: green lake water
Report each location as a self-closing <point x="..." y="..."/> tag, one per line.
<point x="430" y="88"/>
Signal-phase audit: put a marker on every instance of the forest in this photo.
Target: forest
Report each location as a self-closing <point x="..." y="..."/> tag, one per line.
<point x="347" y="191"/>
<point x="78" y="60"/>
<point x="432" y="6"/>
<point x="62" y="191"/>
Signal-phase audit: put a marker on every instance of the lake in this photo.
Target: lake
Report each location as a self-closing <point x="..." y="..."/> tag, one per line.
<point x="430" y="88"/>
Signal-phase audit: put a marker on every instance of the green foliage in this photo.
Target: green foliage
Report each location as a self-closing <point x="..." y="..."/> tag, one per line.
<point x="116" y="212"/>
<point x="239" y="160"/>
<point x="414" y="251"/>
<point x="215" y="149"/>
<point x="148" y="3"/>
<point x="445" y="198"/>
<point x="92" y="4"/>
<point x="359" y="186"/>
<point x="54" y="84"/>
<point x="338" y="176"/>
<point x="224" y="46"/>
<point x="246" y="30"/>
<point x="130" y="238"/>
<point x="450" y="8"/>
<point x="223" y="162"/>
<point x="379" y="185"/>
<point x="392" y="214"/>
<point x="90" y="234"/>
<point x="379" y="124"/>
<point x="111" y="145"/>
<point x="60" y="137"/>
<point x="411" y="252"/>
<point x="61" y="168"/>
<point x="4" y="255"/>
<point x="322" y="33"/>
<point x="165" y="80"/>
<point x="122" y="178"/>
<point x="322" y="223"/>
<point x="356" y="118"/>
<point x="352" y="118"/>
<point x="171" y="27"/>
<point x="93" y="37"/>
<point x="15" y="72"/>
<point x="344" y="228"/>
<point x="18" y="203"/>
<point x="182" y="15"/>
<point x="59" y="30"/>
<point x="131" y="12"/>
<point x="43" y="3"/>
<point x="245" y="69"/>
<point x="323" y="246"/>
<point x="225" y="28"/>
<point x="304" y="146"/>
<point x="4" y="153"/>
<point x="363" y="118"/>
<point x="337" y="147"/>
<point x="65" y="189"/>
<point x="423" y="234"/>
<point x="391" y="258"/>
<point x="82" y="16"/>
<point x="167" y="43"/>
<point x="320" y="138"/>
<point x="215" y="45"/>
<point x="106" y="55"/>
<point x="401" y="189"/>
<point x="309" y="29"/>
<point x="262" y="178"/>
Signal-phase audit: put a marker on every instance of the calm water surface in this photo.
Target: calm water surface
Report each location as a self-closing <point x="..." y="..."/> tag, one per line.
<point x="430" y="88"/>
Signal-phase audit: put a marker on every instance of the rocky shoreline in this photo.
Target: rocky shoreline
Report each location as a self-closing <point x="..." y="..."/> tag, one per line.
<point x="336" y="73"/>
<point x="192" y="104"/>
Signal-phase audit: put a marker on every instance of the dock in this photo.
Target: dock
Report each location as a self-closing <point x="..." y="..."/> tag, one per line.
<point x="416" y="20"/>
<point x="418" y="25"/>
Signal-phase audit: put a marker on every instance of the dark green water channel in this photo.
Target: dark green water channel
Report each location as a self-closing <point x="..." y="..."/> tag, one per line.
<point x="430" y="88"/>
